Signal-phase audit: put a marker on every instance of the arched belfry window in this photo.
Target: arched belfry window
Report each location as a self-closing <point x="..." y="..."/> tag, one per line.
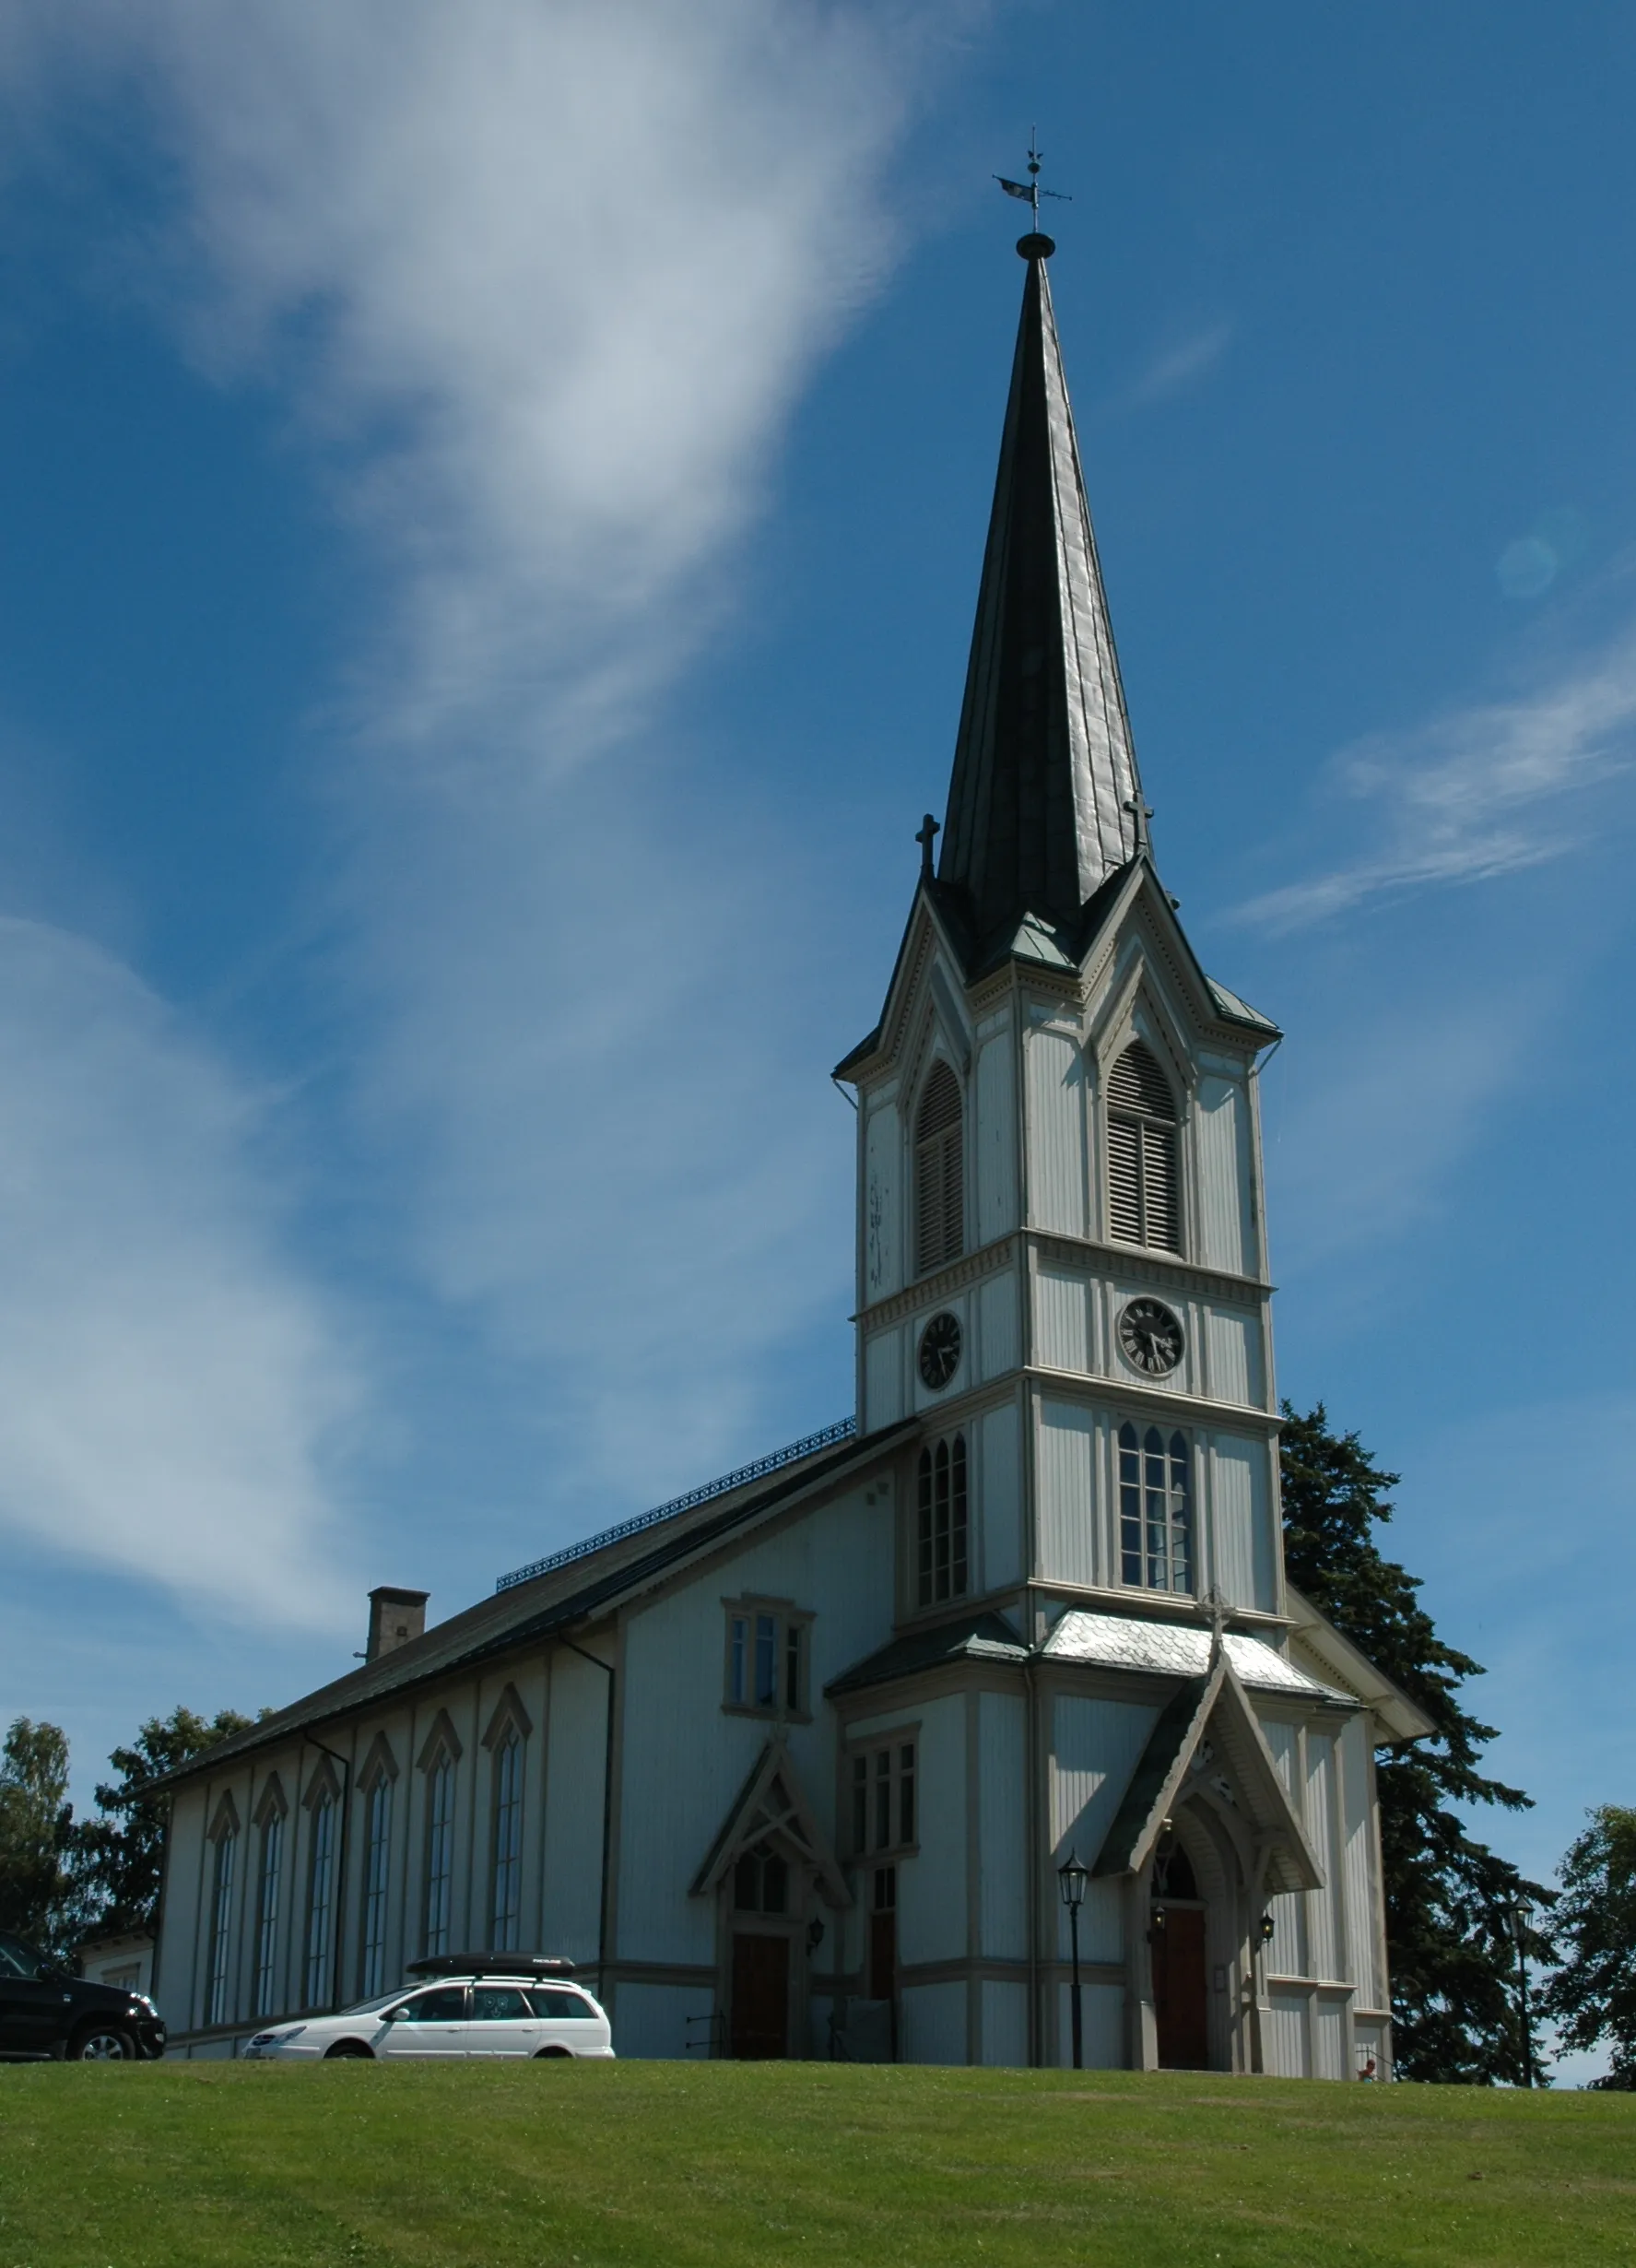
<point x="1144" y="1205"/>
<point x="939" y="1197"/>
<point x="942" y="1558"/>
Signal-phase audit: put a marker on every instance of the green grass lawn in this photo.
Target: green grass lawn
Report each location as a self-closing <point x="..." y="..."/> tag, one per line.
<point x="725" y="2163"/>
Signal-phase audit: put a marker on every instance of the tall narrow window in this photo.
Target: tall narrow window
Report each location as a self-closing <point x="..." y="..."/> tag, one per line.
<point x="269" y="1882"/>
<point x="217" y="2009"/>
<point x="939" y="1199"/>
<point x="766" y="1658"/>
<point x="377" y="1837"/>
<point x="942" y="1561"/>
<point x="1144" y="1205"/>
<point x="1155" y="1509"/>
<point x="321" y="1903"/>
<point x="883" y="1814"/>
<point x="440" y="1853"/>
<point x="508" y="1844"/>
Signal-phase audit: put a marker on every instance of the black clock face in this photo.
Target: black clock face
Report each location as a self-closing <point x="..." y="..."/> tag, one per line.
<point x="1151" y="1337"/>
<point x="940" y="1350"/>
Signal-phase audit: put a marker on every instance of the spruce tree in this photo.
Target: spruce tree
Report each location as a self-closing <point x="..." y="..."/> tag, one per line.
<point x="1449" y="1897"/>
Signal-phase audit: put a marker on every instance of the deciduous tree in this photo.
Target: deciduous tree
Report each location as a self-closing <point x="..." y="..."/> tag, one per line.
<point x="120" y="1851"/>
<point x="38" y="1891"/>
<point x="1593" y="1995"/>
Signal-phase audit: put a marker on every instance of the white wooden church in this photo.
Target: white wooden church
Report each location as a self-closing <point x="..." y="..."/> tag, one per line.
<point x="792" y="1767"/>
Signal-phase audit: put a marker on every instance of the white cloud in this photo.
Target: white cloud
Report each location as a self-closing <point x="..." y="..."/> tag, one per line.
<point x="539" y="281"/>
<point x="170" y="1382"/>
<point x="1173" y="369"/>
<point x="1485" y="790"/>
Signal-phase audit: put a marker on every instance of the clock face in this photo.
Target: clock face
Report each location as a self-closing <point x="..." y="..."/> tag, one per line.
<point x="940" y="1350"/>
<point x="1151" y="1337"/>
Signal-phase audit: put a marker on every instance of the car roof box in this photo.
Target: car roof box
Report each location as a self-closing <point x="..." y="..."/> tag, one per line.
<point x="489" y="1965"/>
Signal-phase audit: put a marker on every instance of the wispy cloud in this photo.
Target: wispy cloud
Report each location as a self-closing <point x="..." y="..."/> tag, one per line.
<point x="1175" y="368"/>
<point x="172" y="1385"/>
<point x="539" y="281"/>
<point x="1481" y="790"/>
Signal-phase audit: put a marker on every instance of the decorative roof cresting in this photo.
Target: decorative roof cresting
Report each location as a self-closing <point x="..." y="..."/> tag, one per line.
<point x="1045" y="801"/>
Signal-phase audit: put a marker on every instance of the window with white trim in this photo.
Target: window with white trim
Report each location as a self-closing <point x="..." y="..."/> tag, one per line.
<point x="883" y="1797"/>
<point x="440" y="1853"/>
<point x="1155" y="1508"/>
<point x="766" y="1672"/>
<point x="942" y="1556"/>
<point x="939" y="1172"/>
<point x="218" y="2008"/>
<point x="376" y="1855"/>
<point x="1144" y="1190"/>
<point x="507" y="1902"/>
<point x="269" y="1887"/>
<point x="320" y="1901"/>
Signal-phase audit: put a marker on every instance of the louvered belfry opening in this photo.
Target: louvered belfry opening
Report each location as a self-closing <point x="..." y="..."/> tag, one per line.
<point x="1143" y="1199"/>
<point x="939" y="1172"/>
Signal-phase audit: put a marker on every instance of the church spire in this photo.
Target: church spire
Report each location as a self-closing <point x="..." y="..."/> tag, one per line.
<point x="1045" y="801"/>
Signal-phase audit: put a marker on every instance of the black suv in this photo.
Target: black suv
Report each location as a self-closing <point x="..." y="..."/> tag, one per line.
<point x="48" y="2012"/>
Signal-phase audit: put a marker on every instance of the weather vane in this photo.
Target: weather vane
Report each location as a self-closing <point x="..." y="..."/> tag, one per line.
<point x="1030" y="191"/>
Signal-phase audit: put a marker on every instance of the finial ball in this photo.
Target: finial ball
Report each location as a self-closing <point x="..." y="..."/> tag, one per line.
<point x="1035" y="246"/>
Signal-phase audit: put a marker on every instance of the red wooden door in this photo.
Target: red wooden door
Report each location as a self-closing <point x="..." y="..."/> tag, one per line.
<point x="1179" y="2000"/>
<point x="761" y="1997"/>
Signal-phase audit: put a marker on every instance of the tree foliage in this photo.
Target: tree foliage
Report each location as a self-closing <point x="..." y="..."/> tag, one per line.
<point x="120" y="1852"/>
<point x="1449" y="1897"/>
<point x="38" y="1890"/>
<point x="1593" y="1995"/>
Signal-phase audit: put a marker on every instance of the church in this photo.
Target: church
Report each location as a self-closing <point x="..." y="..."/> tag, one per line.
<point x="982" y="1726"/>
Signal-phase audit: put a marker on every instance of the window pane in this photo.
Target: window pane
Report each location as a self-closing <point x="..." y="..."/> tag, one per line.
<point x="378" y="1824"/>
<point x="319" y="1889"/>
<point x="747" y="1883"/>
<point x="738" y="1664"/>
<point x="883" y="1799"/>
<point x="860" y="1802"/>
<point x="446" y="2005"/>
<point x="924" y="1552"/>
<point x="221" y="1908"/>
<point x="766" y="1661"/>
<point x="793" y="1666"/>
<point x="956" y="1518"/>
<point x="267" y="1928"/>
<point x="906" y="1793"/>
<point x="775" y="1885"/>
<point x="499" y="2005"/>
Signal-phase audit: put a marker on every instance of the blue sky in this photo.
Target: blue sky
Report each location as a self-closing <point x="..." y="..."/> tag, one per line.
<point x="490" y="508"/>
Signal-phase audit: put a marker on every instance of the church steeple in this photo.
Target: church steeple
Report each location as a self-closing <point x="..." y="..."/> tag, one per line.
<point x="1045" y="800"/>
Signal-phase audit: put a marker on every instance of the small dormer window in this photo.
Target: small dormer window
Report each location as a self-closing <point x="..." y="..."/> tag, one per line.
<point x="1144" y="1198"/>
<point x="939" y="1188"/>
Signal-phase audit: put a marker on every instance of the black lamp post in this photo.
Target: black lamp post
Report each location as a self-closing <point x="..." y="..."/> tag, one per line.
<point x="1516" y="1923"/>
<point x="1071" y="1879"/>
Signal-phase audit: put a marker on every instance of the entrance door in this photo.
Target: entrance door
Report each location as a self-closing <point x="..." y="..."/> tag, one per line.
<point x="761" y="1997"/>
<point x="1179" y="2000"/>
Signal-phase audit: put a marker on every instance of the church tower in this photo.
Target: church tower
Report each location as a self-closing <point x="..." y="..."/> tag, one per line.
<point x="1062" y="1267"/>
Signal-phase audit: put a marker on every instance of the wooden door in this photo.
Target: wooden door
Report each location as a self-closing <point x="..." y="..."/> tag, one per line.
<point x="761" y="1997"/>
<point x="1178" y="1996"/>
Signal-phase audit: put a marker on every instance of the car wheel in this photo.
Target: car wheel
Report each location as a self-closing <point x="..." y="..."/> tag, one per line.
<point x="352" y="2048"/>
<point x="102" y="2043"/>
<point x="547" y="2055"/>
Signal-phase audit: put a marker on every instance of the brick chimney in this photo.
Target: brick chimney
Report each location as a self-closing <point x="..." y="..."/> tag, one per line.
<point x="395" y="1617"/>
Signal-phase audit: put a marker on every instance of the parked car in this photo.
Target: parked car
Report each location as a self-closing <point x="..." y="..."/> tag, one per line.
<point x="464" y="2005"/>
<point x="47" y="2013"/>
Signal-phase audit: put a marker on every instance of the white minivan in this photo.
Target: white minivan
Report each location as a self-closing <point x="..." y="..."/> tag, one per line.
<point x="475" y="2005"/>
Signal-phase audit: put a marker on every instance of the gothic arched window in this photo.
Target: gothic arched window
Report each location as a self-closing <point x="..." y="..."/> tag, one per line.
<point x="376" y="1857"/>
<point x="1144" y="1205"/>
<point x="942" y="1561"/>
<point x="939" y="1193"/>
<point x="218" y="2008"/>
<point x="508" y="1842"/>
<point x="320" y="1901"/>
<point x="439" y="1852"/>
<point x="1155" y="1509"/>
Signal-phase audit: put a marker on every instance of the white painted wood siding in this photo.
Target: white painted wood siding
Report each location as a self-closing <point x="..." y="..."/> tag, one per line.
<point x="1065" y="1485"/>
<point x="1005" y="2024"/>
<point x="999" y="1498"/>
<point x="995" y="1140"/>
<point x="932" y="1884"/>
<point x="576" y="1770"/>
<point x="1242" y="1545"/>
<point x="1221" y="1146"/>
<point x="1002" y="1833"/>
<point x="1058" y="1195"/>
<point x="1358" y="1865"/>
<point x="881" y="1199"/>
<point x="997" y="1308"/>
<point x="1095" y="1747"/>
<point x="1063" y="1298"/>
<point x="1103" y="2019"/>
<point x="883" y="1379"/>
<point x="933" y="2020"/>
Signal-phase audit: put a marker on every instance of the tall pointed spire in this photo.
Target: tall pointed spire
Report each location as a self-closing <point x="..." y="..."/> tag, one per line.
<point x="1045" y="801"/>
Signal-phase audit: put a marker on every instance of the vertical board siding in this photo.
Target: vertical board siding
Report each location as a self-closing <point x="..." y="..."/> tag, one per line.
<point x="1056" y="1145"/>
<point x="999" y="1497"/>
<point x="934" y="2024"/>
<point x="654" y="2019"/>
<point x="1283" y="2036"/>
<point x="1287" y="1953"/>
<point x="1064" y="1493"/>
<point x="1357" y="1865"/>
<point x="1005" y="2024"/>
<point x="1324" y="1953"/>
<point x="1095" y="1747"/>
<point x="1062" y="1319"/>
<point x="883" y="1380"/>
<point x="1240" y="1525"/>
<point x="1221" y="1146"/>
<point x="576" y="1775"/>
<point x="996" y="1141"/>
<point x="1103" y="2016"/>
<point x="996" y="1313"/>
<point x="883" y="1212"/>
<point x="1233" y="1350"/>
<point x="1330" y="2030"/>
<point x="932" y="1885"/>
<point x="1001" y="1848"/>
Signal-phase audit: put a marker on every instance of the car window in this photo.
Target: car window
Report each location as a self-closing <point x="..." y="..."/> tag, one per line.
<point x="499" y="2005"/>
<point x="446" y="2005"/>
<point x="560" y="2007"/>
<point x="20" y="1959"/>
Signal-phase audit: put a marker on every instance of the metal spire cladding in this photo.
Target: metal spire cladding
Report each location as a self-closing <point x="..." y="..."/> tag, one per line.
<point x="1045" y="801"/>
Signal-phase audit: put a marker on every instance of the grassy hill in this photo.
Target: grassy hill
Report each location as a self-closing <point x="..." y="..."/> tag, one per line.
<point x="723" y="2163"/>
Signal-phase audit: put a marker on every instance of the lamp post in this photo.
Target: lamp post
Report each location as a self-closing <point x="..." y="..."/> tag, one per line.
<point x="1071" y="1879"/>
<point x="1516" y="1922"/>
